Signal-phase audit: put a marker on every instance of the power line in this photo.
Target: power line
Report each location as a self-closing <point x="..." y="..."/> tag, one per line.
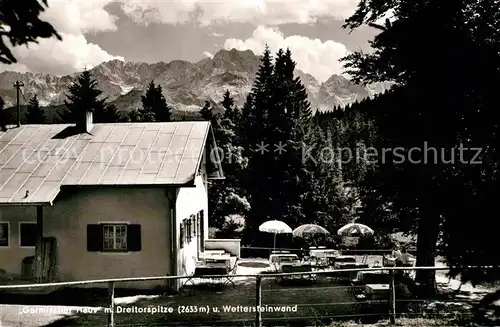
<point x="25" y="100"/>
<point x="17" y="86"/>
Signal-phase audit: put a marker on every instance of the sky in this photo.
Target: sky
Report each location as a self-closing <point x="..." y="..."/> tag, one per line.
<point x="95" y="31"/>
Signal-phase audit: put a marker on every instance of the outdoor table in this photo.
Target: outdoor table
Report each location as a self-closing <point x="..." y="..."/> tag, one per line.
<point x="275" y="260"/>
<point x="372" y="277"/>
<point x="277" y="257"/>
<point x="213" y="269"/>
<point x="211" y="261"/>
<point x="345" y="258"/>
<point x="322" y="252"/>
<point x="214" y="251"/>
<point x="377" y="291"/>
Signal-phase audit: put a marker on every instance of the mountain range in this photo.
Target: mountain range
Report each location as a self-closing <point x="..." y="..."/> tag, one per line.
<point x="186" y="85"/>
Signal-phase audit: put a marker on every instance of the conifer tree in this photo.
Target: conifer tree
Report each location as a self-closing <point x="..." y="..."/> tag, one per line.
<point x="206" y="111"/>
<point x="254" y="128"/>
<point x="134" y="116"/>
<point x="227" y="197"/>
<point x="230" y="112"/>
<point x="108" y="114"/>
<point x="34" y="113"/>
<point x="83" y="95"/>
<point x="154" y="105"/>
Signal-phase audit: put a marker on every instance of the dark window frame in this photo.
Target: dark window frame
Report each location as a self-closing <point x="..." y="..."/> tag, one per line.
<point x="114" y="237"/>
<point x="21" y="234"/>
<point x="181" y="235"/>
<point x="7" y="244"/>
<point x="96" y="239"/>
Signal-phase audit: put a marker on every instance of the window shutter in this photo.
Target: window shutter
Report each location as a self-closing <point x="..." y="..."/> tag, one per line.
<point x="181" y="235"/>
<point x="195" y="223"/>
<point x="94" y="238"/>
<point x="134" y="238"/>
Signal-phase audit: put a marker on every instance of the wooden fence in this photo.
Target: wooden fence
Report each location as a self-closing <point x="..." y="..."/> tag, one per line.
<point x="258" y="285"/>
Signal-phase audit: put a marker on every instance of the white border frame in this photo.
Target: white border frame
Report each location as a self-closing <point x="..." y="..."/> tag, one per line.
<point x="19" y="229"/>
<point x="9" y="235"/>
<point x="109" y="222"/>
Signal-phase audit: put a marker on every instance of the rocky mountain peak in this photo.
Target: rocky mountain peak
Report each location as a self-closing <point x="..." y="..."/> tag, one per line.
<point x="186" y="85"/>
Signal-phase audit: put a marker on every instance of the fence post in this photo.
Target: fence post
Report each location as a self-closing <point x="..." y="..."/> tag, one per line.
<point x="258" y="301"/>
<point x="111" y="294"/>
<point x="392" y="301"/>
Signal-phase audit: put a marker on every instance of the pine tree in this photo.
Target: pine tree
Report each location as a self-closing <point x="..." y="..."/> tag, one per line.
<point x="227" y="197"/>
<point x="230" y="112"/>
<point x="108" y="114"/>
<point x="134" y="116"/>
<point x="154" y="105"/>
<point x="83" y="95"/>
<point x="35" y="114"/>
<point x="206" y="112"/>
<point x="254" y="126"/>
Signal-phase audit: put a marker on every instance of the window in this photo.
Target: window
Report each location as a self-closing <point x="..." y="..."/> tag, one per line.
<point x="27" y="234"/>
<point x="4" y="234"/>
<point x="114" y="238"/>
<point x="202" y="230"/>
<point x="181" y="235"/>
<point x="188" y="230"/>
<point x="195" y="225"/>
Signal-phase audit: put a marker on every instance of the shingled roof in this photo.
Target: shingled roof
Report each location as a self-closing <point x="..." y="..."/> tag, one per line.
<point x="36" y="160"/>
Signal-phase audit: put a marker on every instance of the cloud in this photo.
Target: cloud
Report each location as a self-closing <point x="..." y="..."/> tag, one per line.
<point x="313" y="56"/>
<point x="71" y="19"/>
<point x="216" y="34"/>
<point x="259" y="12"/>
<point x="208" y="54"/>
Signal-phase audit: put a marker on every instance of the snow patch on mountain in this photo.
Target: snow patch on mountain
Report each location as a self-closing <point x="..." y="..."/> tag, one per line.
<point x="186" y="85"/>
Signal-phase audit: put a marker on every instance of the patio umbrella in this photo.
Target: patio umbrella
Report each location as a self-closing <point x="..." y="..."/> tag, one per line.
<point x="275" y="227"/>
<point x="309" y="229"/>
<point x="355" y="229"/>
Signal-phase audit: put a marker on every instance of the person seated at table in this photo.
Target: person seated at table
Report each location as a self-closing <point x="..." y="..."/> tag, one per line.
<point x="396" y="252"/>
<point x="405" y="259"/>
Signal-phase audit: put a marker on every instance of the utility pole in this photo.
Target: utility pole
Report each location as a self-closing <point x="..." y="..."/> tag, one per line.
<point x="18" y="86"/>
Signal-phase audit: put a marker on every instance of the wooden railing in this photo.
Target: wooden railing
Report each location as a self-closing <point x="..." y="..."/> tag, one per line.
<point x="258" y="285"/>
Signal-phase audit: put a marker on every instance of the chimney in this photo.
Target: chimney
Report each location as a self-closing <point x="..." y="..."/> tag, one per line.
<point x="85" y="123"/>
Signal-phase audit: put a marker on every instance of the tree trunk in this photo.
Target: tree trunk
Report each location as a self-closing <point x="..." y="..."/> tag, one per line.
<point x="427" y="235"/>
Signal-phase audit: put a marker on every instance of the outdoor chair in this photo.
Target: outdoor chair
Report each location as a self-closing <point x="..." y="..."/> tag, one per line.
<point x="231" y="271"/>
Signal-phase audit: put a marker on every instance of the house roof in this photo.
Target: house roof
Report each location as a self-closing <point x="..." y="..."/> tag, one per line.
<point x="36" y="160"/>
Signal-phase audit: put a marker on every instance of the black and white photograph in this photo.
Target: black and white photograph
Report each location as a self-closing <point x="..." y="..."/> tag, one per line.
<point x="330" y="163"/>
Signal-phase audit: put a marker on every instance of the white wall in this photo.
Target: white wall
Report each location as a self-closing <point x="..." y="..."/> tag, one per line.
<point x="67" y="221"/>
<point x="190" y="200"/>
